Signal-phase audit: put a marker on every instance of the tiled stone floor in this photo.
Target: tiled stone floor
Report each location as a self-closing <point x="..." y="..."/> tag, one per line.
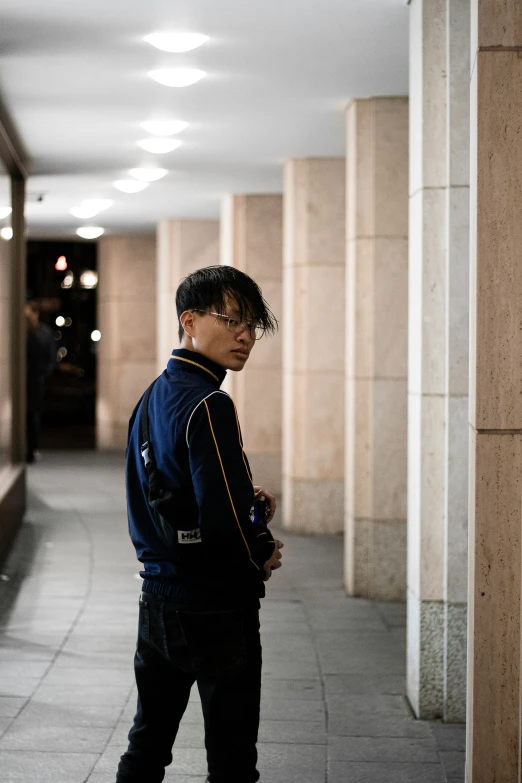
<point x="333" y="700"/>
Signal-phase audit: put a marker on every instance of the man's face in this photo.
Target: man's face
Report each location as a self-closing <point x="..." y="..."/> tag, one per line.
<point x="209" y="335"/>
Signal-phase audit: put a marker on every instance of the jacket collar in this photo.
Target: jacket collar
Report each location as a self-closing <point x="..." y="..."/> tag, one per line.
<point x="182" y="360"/>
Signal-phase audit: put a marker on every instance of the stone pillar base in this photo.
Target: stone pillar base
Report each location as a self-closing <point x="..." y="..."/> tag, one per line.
<point x="455" y="662"/>
<point x="305" y="502"/>
<point x="376" y="558"/>
<point x="425" y="681"/>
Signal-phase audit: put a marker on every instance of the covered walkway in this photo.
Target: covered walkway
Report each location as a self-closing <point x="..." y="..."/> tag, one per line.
<point x="333" y="704"/>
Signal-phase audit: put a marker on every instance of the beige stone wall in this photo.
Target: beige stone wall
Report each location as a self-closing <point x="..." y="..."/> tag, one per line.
<point x="495" y="416"/>
<point x="127" y="321"/>
<point x="251" y="229"/>
<point x="182" y="247"/>
<point x="313" y="344"/>
<point x="377" y="348"/>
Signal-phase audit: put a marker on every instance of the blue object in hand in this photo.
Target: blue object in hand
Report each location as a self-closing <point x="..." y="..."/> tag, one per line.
<point x="259" y="511"/>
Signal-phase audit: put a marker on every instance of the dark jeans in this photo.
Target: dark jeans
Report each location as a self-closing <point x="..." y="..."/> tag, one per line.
<point x="179" y="644"/>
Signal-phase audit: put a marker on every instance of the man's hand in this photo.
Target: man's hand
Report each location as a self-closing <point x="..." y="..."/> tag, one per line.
<point x="274" y="562"/>
<point x="261" y="492"/>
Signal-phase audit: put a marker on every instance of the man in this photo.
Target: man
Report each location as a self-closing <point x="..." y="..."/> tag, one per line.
<point x="205" y="565"/>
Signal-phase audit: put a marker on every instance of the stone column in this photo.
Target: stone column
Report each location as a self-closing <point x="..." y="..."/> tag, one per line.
<point x="494" y="649"/>
<point x="313" y="345"/>
<point x="251" y="231"/>
<point x="377" y="348"/>
<point x="438" y="351"/>
<point x="456" y="393"/>
<point x="127" y="322"/>
<point x="182" y="247"/>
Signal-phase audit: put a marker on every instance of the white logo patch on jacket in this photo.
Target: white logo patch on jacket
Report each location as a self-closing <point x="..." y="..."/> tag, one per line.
<point x="189" y="536"/>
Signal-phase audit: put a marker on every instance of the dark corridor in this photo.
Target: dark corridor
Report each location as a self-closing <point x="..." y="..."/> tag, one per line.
<point x="62" y="280"/>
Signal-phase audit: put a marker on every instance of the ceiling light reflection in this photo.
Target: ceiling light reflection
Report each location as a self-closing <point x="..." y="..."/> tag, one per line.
<point x="91" y="207"/>
<point x="159" y="146"/>
<point x="176" y="41"/>
<point x="177" y="77"/>
<point x="148" y="175"/>
<point x="130" y="185"/>
<point x="90" y="232"/>
<point x="164" y="127"/>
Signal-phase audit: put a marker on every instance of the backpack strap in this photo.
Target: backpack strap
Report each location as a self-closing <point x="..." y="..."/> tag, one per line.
<point x="146" y="447"/>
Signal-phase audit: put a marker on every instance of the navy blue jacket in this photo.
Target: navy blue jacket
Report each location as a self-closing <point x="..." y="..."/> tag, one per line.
<point x="197" y="444"/>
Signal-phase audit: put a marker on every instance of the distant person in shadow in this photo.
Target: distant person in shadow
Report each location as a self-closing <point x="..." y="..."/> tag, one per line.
<point x="41" y="361"/>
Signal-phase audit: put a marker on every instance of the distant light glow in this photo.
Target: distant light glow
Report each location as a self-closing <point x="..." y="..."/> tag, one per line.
<point x="130" y="185"/>
<point x="89" y="279"/>
<point x="60" y="321"/>
<point x="68" y="321"/>
<point x="164" y="127"/>
<point x="6" y="233"/>
<point x="148" y="175"/>
<point x="176" y="77"/>
<point x="68" y="280"/>
<point x="61" y="264"/>
<point x="62" y="353"/>
<point x="90" y="232"/>
<point x="159" y="146"/>
<point x="96" y="336"/>
<point x="176" y="41"/>
<point x="4" y="212"/>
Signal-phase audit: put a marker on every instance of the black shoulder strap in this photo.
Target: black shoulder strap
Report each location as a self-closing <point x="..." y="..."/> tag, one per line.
<point x="146" y="449"/>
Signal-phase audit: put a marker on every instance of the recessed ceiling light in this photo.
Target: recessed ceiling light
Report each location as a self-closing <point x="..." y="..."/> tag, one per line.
<point x="4" y="212"/>
<point x="6" y="233"/>
<point x="175" y="41"/>
<point x="177" y="77"/>
<point x="130" y="185"/>
<point x="164" y="127"/>
<point x="159" y="146"/>
<point x="90" y="232"/>
<point x="90" y="207"/>
<point x="148" y="175"/>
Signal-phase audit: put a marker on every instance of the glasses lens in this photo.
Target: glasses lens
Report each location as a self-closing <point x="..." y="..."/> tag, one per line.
<point x="238" y="327"/>
<point x="234" y="326"/>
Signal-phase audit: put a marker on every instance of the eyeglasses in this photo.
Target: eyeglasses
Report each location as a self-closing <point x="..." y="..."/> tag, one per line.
<point x="236" y="327"/>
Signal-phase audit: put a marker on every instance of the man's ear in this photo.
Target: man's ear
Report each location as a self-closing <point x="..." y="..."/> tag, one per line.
<point x="187" y="322"/>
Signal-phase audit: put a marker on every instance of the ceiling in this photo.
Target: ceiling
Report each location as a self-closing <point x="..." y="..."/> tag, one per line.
<point x="280" y="72"/>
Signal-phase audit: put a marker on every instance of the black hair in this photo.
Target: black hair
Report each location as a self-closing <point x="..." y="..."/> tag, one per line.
<point x="212" y="286"/>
